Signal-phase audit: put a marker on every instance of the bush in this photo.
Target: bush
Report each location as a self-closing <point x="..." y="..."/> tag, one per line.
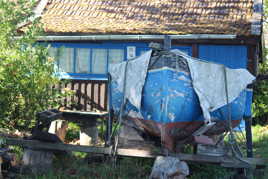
<point x="26" y="72"/>
<point x="260" y="100"/>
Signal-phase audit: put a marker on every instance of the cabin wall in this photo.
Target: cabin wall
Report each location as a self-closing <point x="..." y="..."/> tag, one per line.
<point x="86" y="64"/>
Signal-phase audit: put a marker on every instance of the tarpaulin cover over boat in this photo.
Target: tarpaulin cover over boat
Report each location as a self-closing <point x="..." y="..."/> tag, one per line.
<point x="170" y="94"/>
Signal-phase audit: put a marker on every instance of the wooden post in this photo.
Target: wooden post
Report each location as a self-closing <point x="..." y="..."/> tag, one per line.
<point x="1" y="161"/>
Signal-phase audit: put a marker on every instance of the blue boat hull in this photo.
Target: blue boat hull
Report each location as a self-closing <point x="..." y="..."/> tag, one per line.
<point x="170" y="107"/>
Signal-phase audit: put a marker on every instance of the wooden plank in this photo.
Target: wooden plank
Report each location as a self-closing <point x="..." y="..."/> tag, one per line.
<point x="99" y="94"/>
<point x="72" y="97"/>
<point x="225" y="161"/>
<point x="252" y="63"/>
<point x="105" y="95"/>
<point x="65" y="100"/>
<point x="243" y="40"/>
<point x="1" y="161"/>
<point x="195" y="50"/>
<point x="92" y="96"/>
<point x="80" y="91"/>
<point x="57" y="146"/>
<point x="85" y="99"/>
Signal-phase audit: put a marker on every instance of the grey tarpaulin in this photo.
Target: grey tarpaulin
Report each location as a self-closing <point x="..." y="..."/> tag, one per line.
<point x="207" y="79"/>
<point x="135" y="79"/>
<point x="209" y="83"/>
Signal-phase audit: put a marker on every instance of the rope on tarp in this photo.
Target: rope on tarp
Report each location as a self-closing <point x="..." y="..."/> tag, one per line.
<point x="232" y="139"/>
<point x="122" y="108"/>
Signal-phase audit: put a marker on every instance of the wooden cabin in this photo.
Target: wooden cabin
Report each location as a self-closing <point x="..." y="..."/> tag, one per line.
<point x="97" y="33"/>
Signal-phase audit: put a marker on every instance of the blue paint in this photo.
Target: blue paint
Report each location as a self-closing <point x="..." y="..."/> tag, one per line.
<point x="248" y="112"/>
<point x="232" y="56"/>
<point x="237" y="109"/>
<point x="82" y="76"/>
<point x="169" y="97"/>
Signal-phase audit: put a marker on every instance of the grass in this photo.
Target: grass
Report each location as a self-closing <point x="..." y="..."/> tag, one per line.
<point x="75" y="168"/>
<point x="260" y="141"/>
<point x="78" y="167"/>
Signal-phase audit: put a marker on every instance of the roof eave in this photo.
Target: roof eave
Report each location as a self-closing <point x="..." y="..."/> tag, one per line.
<point x="133" y="37"/>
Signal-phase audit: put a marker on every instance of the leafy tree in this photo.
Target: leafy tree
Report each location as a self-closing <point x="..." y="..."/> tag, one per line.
<point x="26" y="72"/>
<point x="260" y="102"/>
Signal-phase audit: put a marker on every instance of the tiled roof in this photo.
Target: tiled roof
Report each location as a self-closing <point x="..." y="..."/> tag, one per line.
<point x="149" y="16"/>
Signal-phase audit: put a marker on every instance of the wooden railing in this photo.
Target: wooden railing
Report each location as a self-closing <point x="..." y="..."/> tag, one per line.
<point x="90" y="95"/>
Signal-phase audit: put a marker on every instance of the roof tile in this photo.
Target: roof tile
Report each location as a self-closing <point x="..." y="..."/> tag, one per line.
<point x="149" y="16"/>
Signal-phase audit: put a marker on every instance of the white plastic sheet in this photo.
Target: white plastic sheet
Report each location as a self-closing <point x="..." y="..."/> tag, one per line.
<point x="135" y="78"/>
<point x="208" y="80"/>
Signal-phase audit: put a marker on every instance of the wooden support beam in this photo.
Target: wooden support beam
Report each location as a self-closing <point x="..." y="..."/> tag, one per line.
<point x="226" y="161"/>
<point x="195" y="50"/>
<point x="1" y="161"/>
<point x="57" y="146"/>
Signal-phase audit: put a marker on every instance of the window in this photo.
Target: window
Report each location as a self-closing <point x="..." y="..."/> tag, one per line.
<point x="52" y="52"/>
<point x="116" y="55"/>
<point x="66" y="60"/>
<point x="99" y="61"/>
<point x="85" y="60"/>
<point x="82" y="60"/>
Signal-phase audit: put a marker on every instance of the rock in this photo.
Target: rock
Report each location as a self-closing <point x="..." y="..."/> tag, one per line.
<point x="89" y="135"/>
<point x="37" y="161"/>
<point x="169" y="168"/>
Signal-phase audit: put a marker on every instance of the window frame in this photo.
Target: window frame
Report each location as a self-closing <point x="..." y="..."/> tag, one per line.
<point x="140" y="46"/>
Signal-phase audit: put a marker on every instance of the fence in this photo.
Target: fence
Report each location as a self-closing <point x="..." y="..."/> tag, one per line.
<point x="90" y="95"/>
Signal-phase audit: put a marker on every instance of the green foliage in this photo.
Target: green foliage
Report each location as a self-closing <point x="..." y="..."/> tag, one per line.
<point x="73" y="131"/>
<point x="26" y="71"/>
<point x="260" y="101"/>
<point x="202" y="171"/>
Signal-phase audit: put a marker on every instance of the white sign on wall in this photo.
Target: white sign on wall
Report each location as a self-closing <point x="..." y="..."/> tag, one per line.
<point x="131" y="52"/>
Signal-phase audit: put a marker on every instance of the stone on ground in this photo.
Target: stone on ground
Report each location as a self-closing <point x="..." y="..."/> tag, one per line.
<point x="169" y="168"/>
